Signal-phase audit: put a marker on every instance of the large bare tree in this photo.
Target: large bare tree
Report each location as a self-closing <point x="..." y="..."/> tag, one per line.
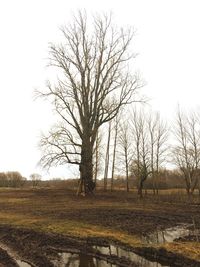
<point x="94" y="83"/>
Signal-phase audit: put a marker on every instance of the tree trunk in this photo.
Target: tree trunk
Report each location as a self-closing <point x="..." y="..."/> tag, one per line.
<point x="141" y="185"/>
<point x="140" y="188"/>
<point x="187" y="191"/>
<point x="127" y="176"/>
<point x="194" y="184"/>
<point x="157" y="191"/>
<point x="107" y="158"/>
<point x="96" y="159"/>
<point x="114" y="154"/>
<point x="187" y="186"/>
<point x="140" y="191"/>
<point x="199" y="185"/>
<point x="86" y="184"/>
<point x="155" y="183"/>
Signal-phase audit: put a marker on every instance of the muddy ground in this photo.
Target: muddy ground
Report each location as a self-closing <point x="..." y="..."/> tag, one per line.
<point x="40" y="249"/>
<point x="118" y="211"/>
<point x="125" y="212"/>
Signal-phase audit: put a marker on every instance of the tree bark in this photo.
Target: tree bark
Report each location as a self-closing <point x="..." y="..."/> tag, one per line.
<point x="127" y="174"/>
<point x="87" y="184"/>
<point x="140" y="188"/>
<point x="107" y="159"/>
<point x="114" y="155"/>
<point x="96" y="158"/>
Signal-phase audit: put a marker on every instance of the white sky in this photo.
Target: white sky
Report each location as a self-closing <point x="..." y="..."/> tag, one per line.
<point x="167" y="40"/>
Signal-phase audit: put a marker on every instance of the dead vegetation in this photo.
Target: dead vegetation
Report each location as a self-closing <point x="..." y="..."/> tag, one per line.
<point x="118" y="216"/>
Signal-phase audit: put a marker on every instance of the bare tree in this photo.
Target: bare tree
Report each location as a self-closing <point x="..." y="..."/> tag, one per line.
<point x="15" y="179"/>
<point x="107" y="157"/>
<point x="126" y="149"/>
<point x="158" y="135"/>
<point x="97" y="156"/>
<point x="142" y="161"/>
<point x="36" y="179"/>
<point x="116" y="128"/>
<point x="3" y="179"/>
<point x="149" y="140"/>
<point x="187" y="151"/>
<point x="95" y="83"/>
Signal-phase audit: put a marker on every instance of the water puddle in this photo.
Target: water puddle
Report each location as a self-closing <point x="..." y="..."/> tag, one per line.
<point x="80" y="260"/>
<point x="107" y="257"/>
<point x="23" y="263"/>
<point x="14" y="256"/>
<point x="105" y="254"/>
<point x="112" y="255"/>
<point x="133" y="257"/>
<point x="168" y="235"/>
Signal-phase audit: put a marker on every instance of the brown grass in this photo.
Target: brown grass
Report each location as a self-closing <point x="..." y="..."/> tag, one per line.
<point x="118" y="215"/>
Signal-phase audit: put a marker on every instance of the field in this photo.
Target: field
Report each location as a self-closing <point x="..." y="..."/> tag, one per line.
<point x="33" y="220"/>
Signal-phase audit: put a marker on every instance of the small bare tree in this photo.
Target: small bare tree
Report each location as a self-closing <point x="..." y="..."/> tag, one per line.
<point x="158" y="136"/>
<point x="107" y="157"/>
<point x="94" y="84"/>
<point x="36" y="179"/>
<point x="125" y="149"/>
<point x="141" y="165"/>
<point x="186" y="153"/>
<point x="149" y="140"/>
<point x="116" y="128"/>
<point x="97" y="156"/>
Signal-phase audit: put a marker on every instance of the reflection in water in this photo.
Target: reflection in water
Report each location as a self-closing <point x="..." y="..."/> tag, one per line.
<point x="119" y="252"/>
<point x="81" y="260"/>
<point x="168" y="235"/>
<point x="76" y="260"/>
<point x="22" y="263"/>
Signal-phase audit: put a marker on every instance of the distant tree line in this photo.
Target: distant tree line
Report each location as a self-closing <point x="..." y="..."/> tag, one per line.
<point x="15" y="179"/>
<point x="11" y="179"/>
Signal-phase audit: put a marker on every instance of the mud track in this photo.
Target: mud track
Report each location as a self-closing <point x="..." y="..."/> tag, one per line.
<point x="39" y="249"/>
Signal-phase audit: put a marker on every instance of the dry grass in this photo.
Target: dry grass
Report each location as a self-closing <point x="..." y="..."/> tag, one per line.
<point x="118" y="215"/>
<point x="188" y="249"/>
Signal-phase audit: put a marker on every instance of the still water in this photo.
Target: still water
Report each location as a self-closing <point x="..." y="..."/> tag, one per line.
<point x="23" y="263"/>
<point x="168" y="235"/>
<point x="109" y="256"/>
<point x="80" y="260"/>
<point x="157" y="237"/>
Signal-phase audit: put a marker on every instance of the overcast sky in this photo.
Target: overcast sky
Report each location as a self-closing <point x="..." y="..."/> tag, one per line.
<point x="167" y="42"/>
